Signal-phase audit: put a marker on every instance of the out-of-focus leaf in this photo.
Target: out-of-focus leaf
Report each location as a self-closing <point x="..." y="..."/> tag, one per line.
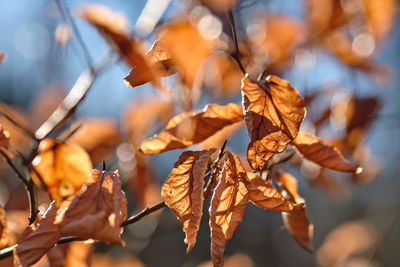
<point x="320" y="152"/>
<point x="62" y="168"/>
<point x="124" y="260"/>
<point x="361" y="112"/>
<point x="18" y="139"/>
<point x="236" y="260"/>
<point x="219" y="5"/>
<point x="265" y="195"/>
<point x="186" y="47"/>
<point x="296" y="221"/>
<point x="280" y="36"/>
<point x="4" y="138"/>
<point x="98" y="137"/>
<point x="189" y="128"/>
<point x="380" y="16"/>
<point x="74" y="254"/>
<point x="62" y="34"/>
<point x="183" y="192"/>
<point x="2" y="56"/>
<point x="218" y="139"/>
<point x="273" y="112"/>
<point x="3" y="228"/>
<point x="228" y="202"/>
<point x="95" y="212"/>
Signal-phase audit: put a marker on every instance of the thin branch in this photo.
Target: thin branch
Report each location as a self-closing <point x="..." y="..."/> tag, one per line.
<point x="17" y="124"/>
<point x="236" y="53"/>
<point x="28" y="184"/>
<point x="66" y="13"/>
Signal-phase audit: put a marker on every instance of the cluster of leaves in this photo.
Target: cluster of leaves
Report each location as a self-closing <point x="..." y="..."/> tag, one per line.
<point x="94" y="207"/>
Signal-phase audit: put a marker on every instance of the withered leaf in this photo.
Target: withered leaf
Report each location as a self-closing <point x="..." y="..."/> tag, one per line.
<point x="192" y="127"/>
<point x="95" y="212"/>
<point x="320" y="152"/>
<point x="60" y="168"/>
<point x="74" y="254"/>
<point x="265" y="195"/>
<point x="296" y="221"/>
<point x="183" y="192"/>
<point x="3" y="228"/>
<point x="273" y="112"/>
<point x="228" y="202"/>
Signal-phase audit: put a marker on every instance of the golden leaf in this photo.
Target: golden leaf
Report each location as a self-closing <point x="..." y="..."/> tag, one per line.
<point x="273" y="112"/>
<point x="3" y="228"/>
<point x="192" y="127"/>
<point x="183" y="192"/>
<point x="228" y="202"/>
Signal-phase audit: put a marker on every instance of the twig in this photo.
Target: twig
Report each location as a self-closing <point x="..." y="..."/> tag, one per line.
<point x="215" y="170"/>
<point x="28" y="184"/>
<point x="19" y="125"/>
<point x="236" y="54"/>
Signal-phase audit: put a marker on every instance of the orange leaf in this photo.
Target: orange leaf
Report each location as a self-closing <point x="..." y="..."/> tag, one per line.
<point x="62" y="168"/>
<point x="89" y="214"/>
<point x="381" y="16"/>
<point x="265" y="195"/>
<point x="183" y="192"/>
<point x="74" y="254"/>
<point x="3" y="228"/>
<point x="4" y="138"/>
<point x="296" y="221"/>
<point x="228" y="202"/>
<point x="273" y="112"/>
<point x="320" y="152"/>
<point x="192" y="127"/>
<point x="99" y="137"/>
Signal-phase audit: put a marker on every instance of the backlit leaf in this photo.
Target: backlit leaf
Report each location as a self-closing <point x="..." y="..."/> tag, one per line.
<point x="381" y="16"/>
<point x="273" y="112"/>
<point x="183" y="192"/>
<point x="265" y="195"/>
<point x="228" y="202"/>
<point x="62" y="168"/>
<point x="296" y="221"/>
<point x="3" y="228"/>
<point x="192" y="127"/>
<point x="320" y="152"/>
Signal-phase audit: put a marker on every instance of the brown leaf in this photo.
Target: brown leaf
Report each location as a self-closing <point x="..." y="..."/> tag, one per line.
<point x="98" y="137"/>
<point x="192" y="127"/>
<point x="74" y="254"/>
<point x="296" y="221"/>
<point x="90" y="214"/>
<point x="380" y="16"/>
<point x="183" y="192"/>
<point x="266" y="196"/>
<point x="273" y="112"/>
<point x="3" y="228"/>
<point x="2" y="56"/>
<point x="320" y="152"/>
<point x="94" y="214"/>
<point x="228" y="202"/>
<point x="62" y="168"/>
<point x="186" y="47"/>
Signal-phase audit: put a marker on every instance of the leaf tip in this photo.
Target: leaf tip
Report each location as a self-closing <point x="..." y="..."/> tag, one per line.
<point x="358" y="170"/>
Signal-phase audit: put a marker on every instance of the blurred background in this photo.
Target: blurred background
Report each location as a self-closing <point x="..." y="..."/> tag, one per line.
<point x="342" y="56"/>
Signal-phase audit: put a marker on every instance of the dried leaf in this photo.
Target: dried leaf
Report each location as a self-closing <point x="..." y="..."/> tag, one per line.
<point x="74" y="254"/>
<point x="98" y="137"/>
<point x="186" y="47"/>
<point x="265" y="195"/>
<point x="183" y="192"/>
<point x="296" y="221"/>
<point x="3" y="228"/>
<point x="320" y="152"/>
<point x="228" y="202"/>
<point x="273" y="112"/>
<point x="94" y="214"/>
<point x="62" y="168"/>
<point x="381" y="16"/>
<point x="189" y="128"/>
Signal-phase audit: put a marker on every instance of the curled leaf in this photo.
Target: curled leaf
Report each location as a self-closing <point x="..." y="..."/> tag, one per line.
<point x="228" y="202"/>
<point x="296" y="221"/>
<point x="265" y="195"/>
<point x="3" y="228"/>
<point x="273" y="112"/>
<point x="192" y="127"/>
<point x="61" y="168"/>
<point x="320" y="152"/>
<point x="183" y="192"/>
